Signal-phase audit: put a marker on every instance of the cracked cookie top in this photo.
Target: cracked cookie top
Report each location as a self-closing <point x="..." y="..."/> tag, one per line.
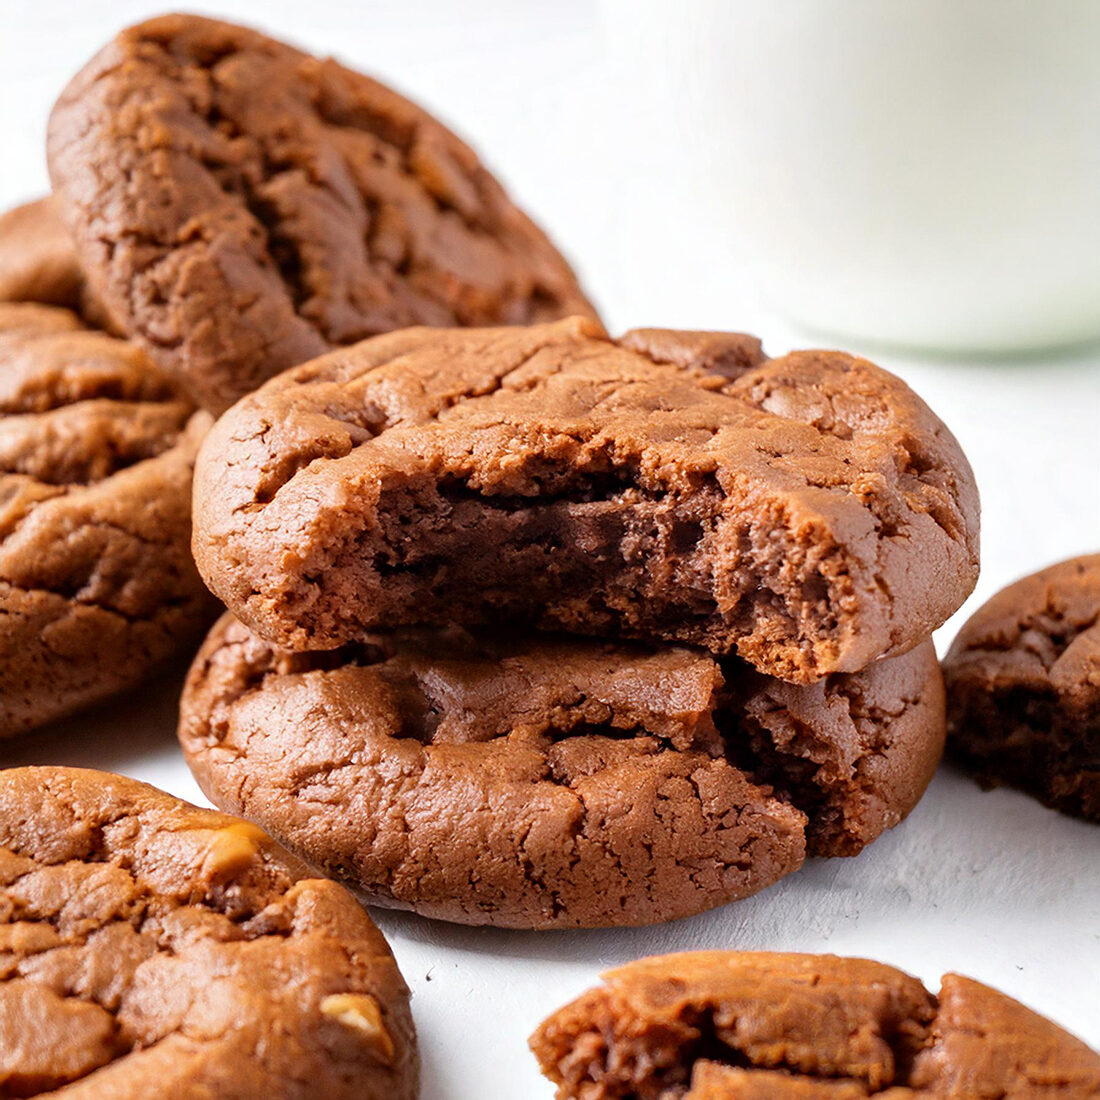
<point x="540" y="782"/>
<point x="243" y="207"/>
<point x="808" y="512"/>
<point x="718" y="1024"/>
<point x="1024" y="687"/>
<point x="151" y="948"/>
<point x="97" y="448"/>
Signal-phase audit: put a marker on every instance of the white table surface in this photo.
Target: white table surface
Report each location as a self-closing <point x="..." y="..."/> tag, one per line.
<point x="989" y="884"/>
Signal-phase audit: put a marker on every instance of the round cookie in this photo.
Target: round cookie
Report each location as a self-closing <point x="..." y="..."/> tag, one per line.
<point x="149" y="948"/>
<point x="37" y="258"/>
<point x="809" y="512"/>
<point x="554" y="782"/>
<point x="1023" y="680"/>
<point x="715" y="1025"/>
<point x="97" y="583"/>
<point x="243" y="207"/>
<point x="38" y="263"/>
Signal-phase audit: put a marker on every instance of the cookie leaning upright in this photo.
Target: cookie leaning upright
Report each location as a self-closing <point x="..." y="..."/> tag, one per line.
<point x="1023" y="680"/>
<point x="809" y="512"/>
<point x="97" y="448"/>
<point x="242" y="207"/>
<point x="151" y="948"/>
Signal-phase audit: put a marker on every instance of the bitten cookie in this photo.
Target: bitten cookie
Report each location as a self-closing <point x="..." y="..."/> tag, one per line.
<point x="97" y="584"/>
<point x="149" y="948"/>
<point x="1023" y="681"/>
<point x="242" y="207"/>
<point x="809" y="512"/>
<point x="718" y="1025"/>
<point x="553" y="782"/>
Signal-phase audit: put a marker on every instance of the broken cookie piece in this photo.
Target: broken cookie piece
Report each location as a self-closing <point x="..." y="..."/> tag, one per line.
<point x="149" y="948"/>
<point x="809" y="513"/>
<point x="537" y="782"/>
<point x="728" y="1025"/>
<point x="1023" y="680"/>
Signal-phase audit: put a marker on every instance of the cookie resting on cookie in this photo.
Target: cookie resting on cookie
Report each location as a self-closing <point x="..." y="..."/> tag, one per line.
<point x="242" y="207"/>
<point x="808" y="512"/>
<point x="540" y="781"/>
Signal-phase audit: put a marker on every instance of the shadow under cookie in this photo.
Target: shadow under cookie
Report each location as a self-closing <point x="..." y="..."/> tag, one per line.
<point x="547" y="782"/>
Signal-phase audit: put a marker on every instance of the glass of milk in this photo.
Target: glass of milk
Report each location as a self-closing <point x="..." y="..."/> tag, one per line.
<point x="915" y="172"/>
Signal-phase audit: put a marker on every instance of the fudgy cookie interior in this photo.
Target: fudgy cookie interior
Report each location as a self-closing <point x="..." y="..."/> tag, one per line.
<point x="552" y="477"/>
<point x="725" y="1024"/>
<point x="1024" y="688"/>
<point x="451" y="549"/>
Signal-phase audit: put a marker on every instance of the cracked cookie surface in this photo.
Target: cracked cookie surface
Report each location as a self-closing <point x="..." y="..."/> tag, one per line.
<point x="243" y="207"/>
<point x="1024" y="687"/>
<point x="716" y="1025"/>
<point x="97" y="584"/>
<point x="809" y="512"/>
<point x="150" y="948"/>
<point x="552" y="782"/>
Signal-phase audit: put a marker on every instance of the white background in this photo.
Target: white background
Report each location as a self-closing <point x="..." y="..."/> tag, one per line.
<point x="989" y="884"/>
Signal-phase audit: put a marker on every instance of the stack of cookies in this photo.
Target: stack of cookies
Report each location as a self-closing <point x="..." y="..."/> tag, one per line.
<point x="224" y="207"/>
<point x="527" y="626"/>
<point x="97" y="446"/>
<point x="537" y="628"/>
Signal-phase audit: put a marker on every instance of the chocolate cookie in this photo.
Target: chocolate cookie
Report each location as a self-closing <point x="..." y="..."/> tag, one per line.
<point x="1023" y="681"/>
<point x="554" y="782"/>
<point x="38" y="264"/>
<point x="715" y="1025"/>
<point x="809" y="512"/>
<point x="243" y="207"/>
<point x="37" y="259"/>
<point x="149" y="948"/>
<point x="97" y="584"/>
